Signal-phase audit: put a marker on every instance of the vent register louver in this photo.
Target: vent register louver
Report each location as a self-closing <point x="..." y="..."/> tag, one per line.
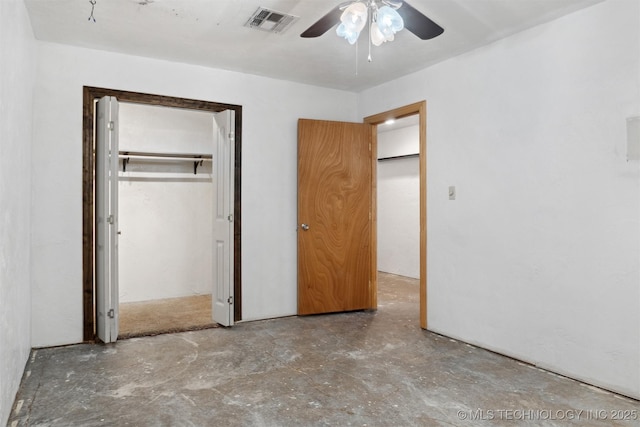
<point x="270" y="20"/>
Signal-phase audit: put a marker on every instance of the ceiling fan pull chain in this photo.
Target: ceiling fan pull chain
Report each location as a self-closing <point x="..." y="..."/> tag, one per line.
<point x="369" y="38"/>
<point x="356" y="57"/>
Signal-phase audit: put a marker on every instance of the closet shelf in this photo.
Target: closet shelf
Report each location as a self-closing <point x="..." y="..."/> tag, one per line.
<point x="197" y="159"/>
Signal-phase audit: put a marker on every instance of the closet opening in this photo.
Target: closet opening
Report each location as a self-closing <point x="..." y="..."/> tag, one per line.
<point x="165" y="204"/>
<point x="398" y="210"/>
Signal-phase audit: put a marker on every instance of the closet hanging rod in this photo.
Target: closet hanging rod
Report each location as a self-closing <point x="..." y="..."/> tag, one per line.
<point x="187" y="156"/>
<point x="403" y="156"/>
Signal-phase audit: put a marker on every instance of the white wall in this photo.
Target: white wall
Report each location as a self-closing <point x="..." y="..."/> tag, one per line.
<point x="165" y="210"/>
<point x="398" y="197"/>
<point x="17" y="65"/>
<point x="269" y="134"/>
<point x="539" y="255"/>
<point x="402" y="141"/>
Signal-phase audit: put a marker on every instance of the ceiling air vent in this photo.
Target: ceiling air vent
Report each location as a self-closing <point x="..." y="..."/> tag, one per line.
<point x="270" y="20"/>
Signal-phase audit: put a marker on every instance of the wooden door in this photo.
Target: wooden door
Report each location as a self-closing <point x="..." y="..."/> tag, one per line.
<point x="334" y="216"/>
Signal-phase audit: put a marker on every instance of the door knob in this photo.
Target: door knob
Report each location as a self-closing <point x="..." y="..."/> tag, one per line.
<point x="305" y="227"/>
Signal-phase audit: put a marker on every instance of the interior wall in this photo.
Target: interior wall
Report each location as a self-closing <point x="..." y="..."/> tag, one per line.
<point x="270" y="112"/>
<point x="165" y="210"/>
<point x="398" y="201"/>
<point x="17" y="72"/>
<point x="538" y="257"/>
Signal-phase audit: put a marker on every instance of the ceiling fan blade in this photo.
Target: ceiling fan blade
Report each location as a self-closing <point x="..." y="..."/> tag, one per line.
<point x="417" y="23"/>
<point x="325" y="23"/>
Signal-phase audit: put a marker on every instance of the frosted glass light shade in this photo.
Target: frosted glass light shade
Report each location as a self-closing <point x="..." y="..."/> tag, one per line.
<point x="389" y="22"/>
<point x="350" y="36"/>
<point x="353" y="20"/>
<point x="377" y="38"/>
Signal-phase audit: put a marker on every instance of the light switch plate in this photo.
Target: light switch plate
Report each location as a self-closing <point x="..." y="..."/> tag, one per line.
<point x="452" y="192"/>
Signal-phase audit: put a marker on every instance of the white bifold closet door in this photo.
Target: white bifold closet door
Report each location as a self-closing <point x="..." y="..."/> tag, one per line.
<point x="223" y="171"/>
<point x="106" y="214"/>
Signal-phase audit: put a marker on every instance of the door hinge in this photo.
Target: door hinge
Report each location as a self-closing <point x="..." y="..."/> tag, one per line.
<point x="111" y="314"/>
<point x="110" y="219"/>
<point x="230" y="300"/>
<point x="230" y="217"/>
<point x="112" y="126"/>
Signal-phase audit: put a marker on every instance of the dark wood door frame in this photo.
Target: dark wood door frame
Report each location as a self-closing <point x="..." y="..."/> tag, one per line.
<point x="89" y="97"/>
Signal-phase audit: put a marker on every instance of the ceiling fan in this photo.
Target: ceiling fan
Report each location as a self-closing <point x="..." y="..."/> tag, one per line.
<point x="384" y="17"/>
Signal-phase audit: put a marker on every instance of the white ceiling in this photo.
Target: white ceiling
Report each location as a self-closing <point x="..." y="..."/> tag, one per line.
<point x="212" y="33"/>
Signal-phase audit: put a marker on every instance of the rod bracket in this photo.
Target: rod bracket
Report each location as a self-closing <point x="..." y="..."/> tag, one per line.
<point x="195" y="166"/>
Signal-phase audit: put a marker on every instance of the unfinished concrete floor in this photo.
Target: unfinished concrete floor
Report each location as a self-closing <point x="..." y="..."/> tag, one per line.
<point x="362" y="368"/>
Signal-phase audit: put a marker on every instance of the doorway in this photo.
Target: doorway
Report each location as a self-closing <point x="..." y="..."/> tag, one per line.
<point x="90" y="96"/>
<point x="398" y="211"/>
<point x="419" y="109"/>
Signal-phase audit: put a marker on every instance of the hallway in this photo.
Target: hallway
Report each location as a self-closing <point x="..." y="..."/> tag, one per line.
<point x="361" y="368"/>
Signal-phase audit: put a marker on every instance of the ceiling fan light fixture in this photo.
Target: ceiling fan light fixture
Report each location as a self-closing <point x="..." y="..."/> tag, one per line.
<point x="408" y="17"/>
<point x="384" y="22"/>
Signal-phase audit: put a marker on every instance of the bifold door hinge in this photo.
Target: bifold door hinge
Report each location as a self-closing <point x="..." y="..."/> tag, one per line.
<point x="112" y="125"/>
<point x="230" y="300"/>
<point x="230" y="217"/>
<point x="110" y="219"/>
<point x="111" y="314"/>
